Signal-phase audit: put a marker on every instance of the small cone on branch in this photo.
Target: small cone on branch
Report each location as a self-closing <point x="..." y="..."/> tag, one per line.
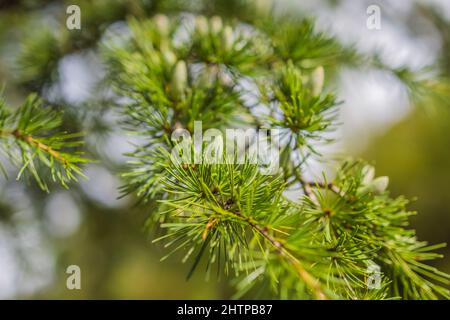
<point x="369" y="174"/>
<point x="169" y="57"/>
<point x="380" y="184"/>
<point x="227" y="38"/>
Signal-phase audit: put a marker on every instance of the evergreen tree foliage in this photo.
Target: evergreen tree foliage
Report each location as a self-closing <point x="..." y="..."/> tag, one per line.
<point x="230" y="219"/>
<point x="318" y="246"/>
<point x="32" y="140"/>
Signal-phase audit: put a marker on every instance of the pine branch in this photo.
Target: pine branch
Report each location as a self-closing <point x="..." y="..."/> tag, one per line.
<point x="32" y="141"/>
<point x="311" y="282"/>
<point x="320" y="246"/>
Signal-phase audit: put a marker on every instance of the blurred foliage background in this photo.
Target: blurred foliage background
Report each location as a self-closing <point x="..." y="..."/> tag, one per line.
<point x="41" y="234"/>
